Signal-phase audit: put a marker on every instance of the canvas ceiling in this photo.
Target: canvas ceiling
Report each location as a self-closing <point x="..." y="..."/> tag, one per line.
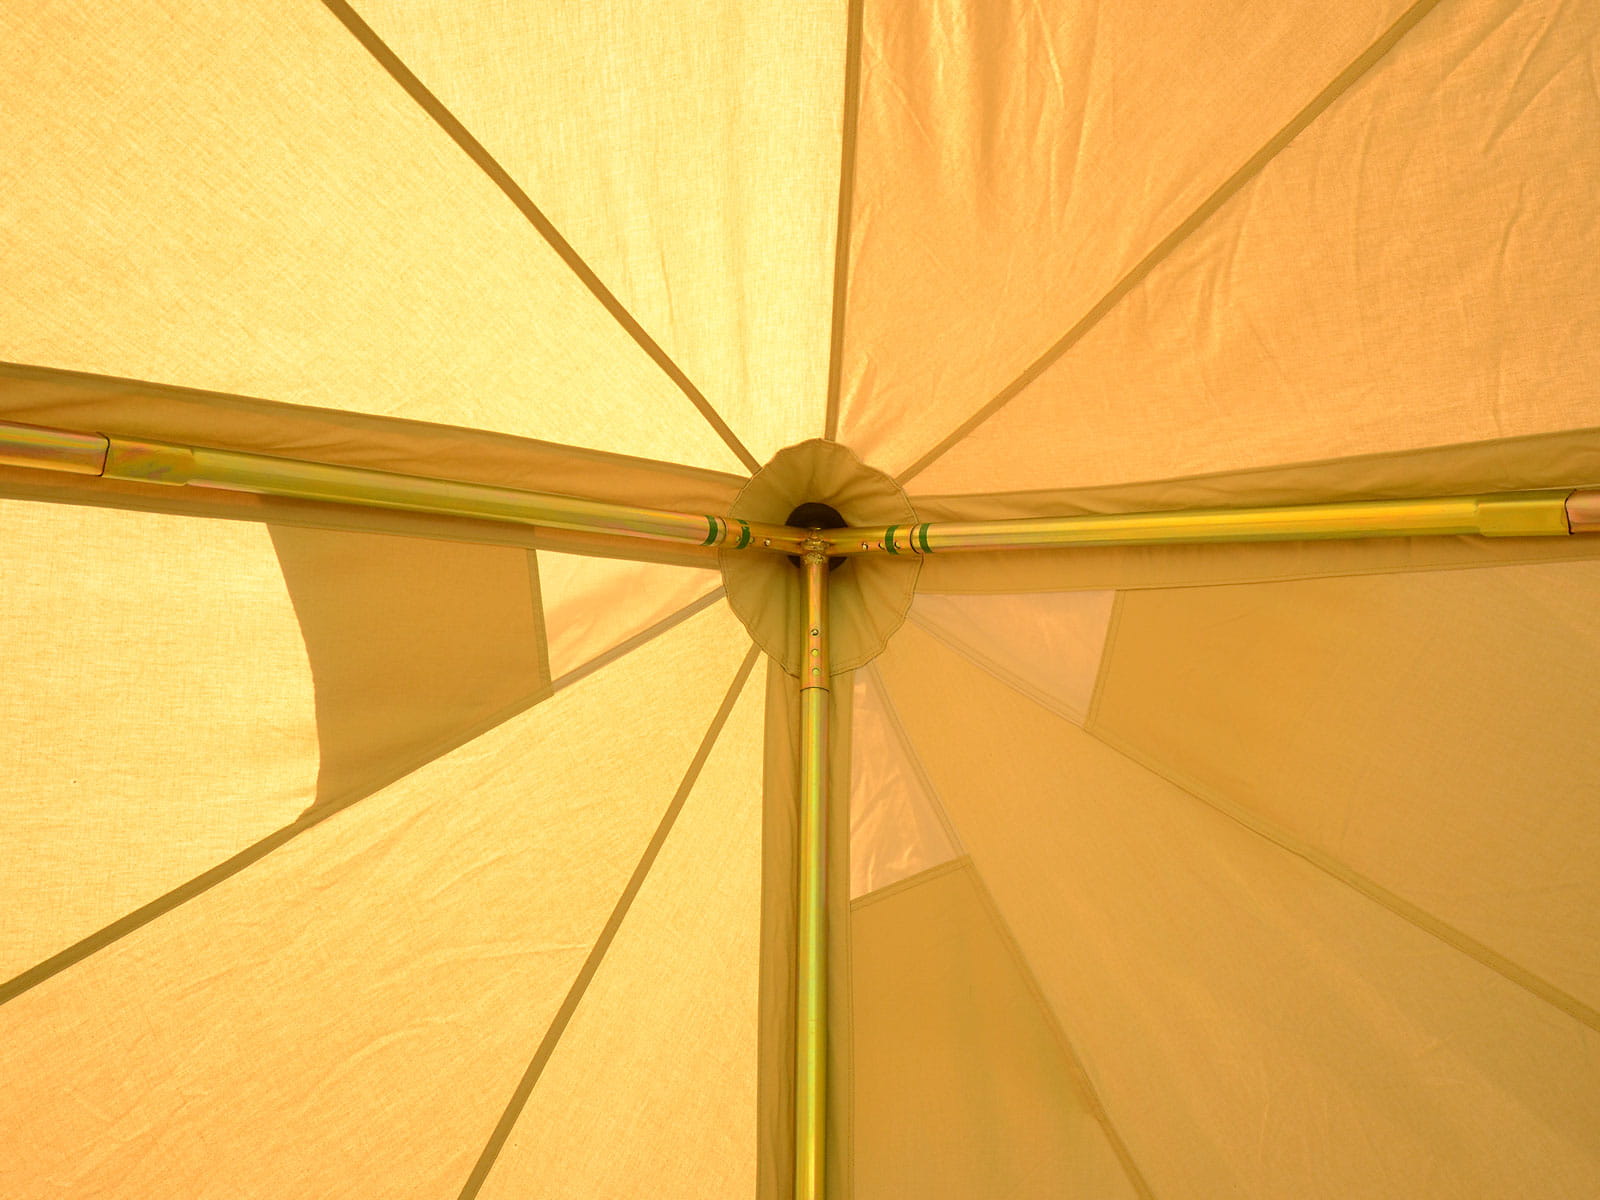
<point x="370" y="854"/>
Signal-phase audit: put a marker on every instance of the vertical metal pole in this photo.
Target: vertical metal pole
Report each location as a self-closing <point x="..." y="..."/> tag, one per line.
<point x="811" y="1008"/>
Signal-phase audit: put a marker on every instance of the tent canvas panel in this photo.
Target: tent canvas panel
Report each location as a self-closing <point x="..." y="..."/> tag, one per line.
<point x="355" y="850"/>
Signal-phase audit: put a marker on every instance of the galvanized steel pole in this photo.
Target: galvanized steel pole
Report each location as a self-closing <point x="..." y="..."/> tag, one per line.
<point x="174" y="465"/>
<point x="1550" y="513"/>
<point x="1547" y="513"/>
<point x="811" y="999"/>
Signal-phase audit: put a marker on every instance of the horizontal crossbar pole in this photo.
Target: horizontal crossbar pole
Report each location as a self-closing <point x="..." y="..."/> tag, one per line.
<point x="1553" y="513"/>
<point x="1549" y="513"/>
<point x="169" y="464"/>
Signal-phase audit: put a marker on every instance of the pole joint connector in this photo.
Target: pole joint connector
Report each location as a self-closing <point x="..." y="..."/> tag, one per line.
<point x="814" y="547"/>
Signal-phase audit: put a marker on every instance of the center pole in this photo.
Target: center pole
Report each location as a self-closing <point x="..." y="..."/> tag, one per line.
<point x="811" y="1007"/>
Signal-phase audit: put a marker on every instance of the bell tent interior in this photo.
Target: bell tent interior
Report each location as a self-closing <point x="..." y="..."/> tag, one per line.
<point x="800" y="598"/>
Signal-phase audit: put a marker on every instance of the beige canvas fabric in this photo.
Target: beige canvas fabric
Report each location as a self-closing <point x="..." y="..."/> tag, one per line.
<point x="295" y="970"/>
<point x="674" y="177"/>
<point x="1025" y="157"/>
<point x="1406" y="274"/>
<point x="592" y="604"/>
<point x="1046" y="645"/>
<point x="412" y="644"/>
<point x="141" y="750"/>
<point x="348" y="852"/>
<point x="641" y="1044"/>
<point x="1406" y="731"/>
<point x="202" y="194"/>
<point x="1239" y="1010"/>
<point x="952" y="1037"/>
<point x="897" y="826"/>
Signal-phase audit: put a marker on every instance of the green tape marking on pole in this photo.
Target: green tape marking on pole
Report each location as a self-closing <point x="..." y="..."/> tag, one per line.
<point x="744" y="534"/>
<point x="922" y="535"/>
<point x="888" y="539"/>
<point x="711" y="538"/>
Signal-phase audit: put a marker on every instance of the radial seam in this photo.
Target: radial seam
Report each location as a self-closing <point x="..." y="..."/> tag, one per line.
<point x="891" y="717"/>
<point x="597" y="952"/>
<point x="847" y="190"/>
<point x="1016" y="684"/>
<point x="502" y="179"/>
<point x="1370" y="889"/>
<point x="1252" y="167"/>
<point x="1080" y="1074"/>
<point x="1397" y="905"/>
<point x="318" y="813"/>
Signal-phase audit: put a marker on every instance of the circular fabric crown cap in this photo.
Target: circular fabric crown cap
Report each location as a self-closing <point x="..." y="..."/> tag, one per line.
<point x="867" y="597"/>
